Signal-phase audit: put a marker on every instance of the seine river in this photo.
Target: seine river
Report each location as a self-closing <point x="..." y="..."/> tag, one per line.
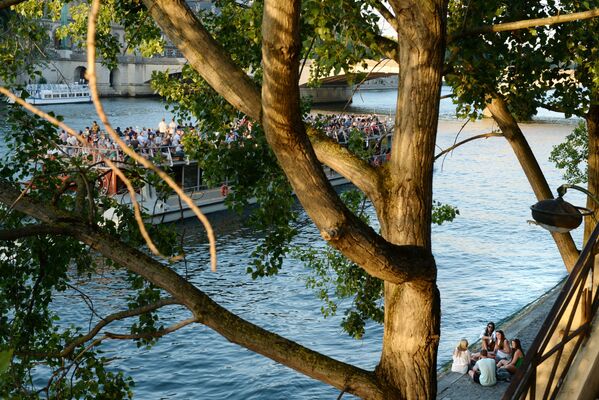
<point x="491" y="263"/>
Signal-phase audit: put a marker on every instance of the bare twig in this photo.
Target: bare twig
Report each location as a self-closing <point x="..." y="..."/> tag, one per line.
<point x="307" y="55"/>
<point x="88" y="302"/>
<point x="363" y="80"/>
<point x="482" y="136"/>
<point x="82" y="140"/>
<point x="136" y="208"/>
<point x="153" y="335"/>
<point x="91" y="76"/>
<point x="23" y="193"/>
<point x="114" y="317"/>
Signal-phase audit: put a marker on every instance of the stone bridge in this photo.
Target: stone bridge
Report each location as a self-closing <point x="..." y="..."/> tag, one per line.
<point x="335" y="88"/>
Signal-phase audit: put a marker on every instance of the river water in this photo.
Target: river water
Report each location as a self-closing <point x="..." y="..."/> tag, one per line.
<point x="491" y="263"/>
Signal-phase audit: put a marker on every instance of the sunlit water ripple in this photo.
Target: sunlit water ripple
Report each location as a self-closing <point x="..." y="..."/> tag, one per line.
<point x="491" y="263"/>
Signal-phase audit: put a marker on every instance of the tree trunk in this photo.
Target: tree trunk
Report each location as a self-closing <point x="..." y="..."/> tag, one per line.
<point x="528" y="161"/>
<point x="412" y="309"/>
<point x="592" y="120"/>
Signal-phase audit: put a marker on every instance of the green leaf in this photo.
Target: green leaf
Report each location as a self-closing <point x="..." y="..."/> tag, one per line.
<point x="5" y="359"/>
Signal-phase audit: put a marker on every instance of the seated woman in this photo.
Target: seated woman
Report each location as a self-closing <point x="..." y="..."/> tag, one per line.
<point x="516" y="360"/>
<point x="488" y="337"/>
<point x="503" y="351"/>
<point x="461" y="357"/>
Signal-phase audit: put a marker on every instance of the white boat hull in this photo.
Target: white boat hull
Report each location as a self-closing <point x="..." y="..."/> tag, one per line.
<point x="209" y="201"/>
<point x="38" y="101"/>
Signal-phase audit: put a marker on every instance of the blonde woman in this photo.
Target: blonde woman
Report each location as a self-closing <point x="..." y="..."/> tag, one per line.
<point x="461" y="357"/>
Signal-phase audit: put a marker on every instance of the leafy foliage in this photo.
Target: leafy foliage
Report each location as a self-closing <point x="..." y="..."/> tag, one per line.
<point x="443" y="213"/>
<point x="339" y="35"/>
<point x="505" y="64"/>
<point x="571" y="155"/>
<point x="335" y="278"/>
<point x="37" y="268"/>
<point x="21" y="42"/>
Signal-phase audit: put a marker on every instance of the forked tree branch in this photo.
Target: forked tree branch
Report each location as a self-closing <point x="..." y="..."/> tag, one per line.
<point x="215" y="65"/>
<point x="116" y="317"/>
<point x="207" y="312"/>
<point x="525" y="24"/>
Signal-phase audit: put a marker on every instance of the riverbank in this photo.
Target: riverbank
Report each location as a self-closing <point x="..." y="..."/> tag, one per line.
<point x="525" y="325"/>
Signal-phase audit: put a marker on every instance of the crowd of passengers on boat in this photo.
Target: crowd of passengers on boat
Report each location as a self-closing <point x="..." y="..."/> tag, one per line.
<point x="167" y="139"/>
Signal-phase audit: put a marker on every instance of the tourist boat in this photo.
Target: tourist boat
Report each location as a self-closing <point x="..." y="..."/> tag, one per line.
<point x="186" y="173"/>
<point x="57" y="93"/>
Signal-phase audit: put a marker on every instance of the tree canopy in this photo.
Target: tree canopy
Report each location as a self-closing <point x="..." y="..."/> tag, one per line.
<point x="244" y="62"/>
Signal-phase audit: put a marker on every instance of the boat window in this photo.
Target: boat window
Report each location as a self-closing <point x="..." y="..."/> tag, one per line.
<point x="191" y="177"/>
<point x="177" y="173"/>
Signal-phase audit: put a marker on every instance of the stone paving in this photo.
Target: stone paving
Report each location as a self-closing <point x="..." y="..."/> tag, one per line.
<point x="523" y="325"/>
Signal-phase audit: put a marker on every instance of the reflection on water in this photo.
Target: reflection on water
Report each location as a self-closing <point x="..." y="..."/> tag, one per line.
<point x="491" y="263"/>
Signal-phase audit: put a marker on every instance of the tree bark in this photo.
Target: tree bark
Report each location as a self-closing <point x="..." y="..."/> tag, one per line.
<point x="209" y="59"/>
<point x="528" y="161"/>
<point x="412" y="310"/>
<point x="592" y="120"/>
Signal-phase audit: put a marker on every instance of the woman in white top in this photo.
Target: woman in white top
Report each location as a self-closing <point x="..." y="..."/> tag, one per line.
<point x="461" y="357"/>
<point x="503" y="351"/>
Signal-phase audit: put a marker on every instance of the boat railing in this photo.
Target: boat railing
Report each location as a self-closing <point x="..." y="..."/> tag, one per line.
<point x="57" y="87"/>
<point x="564" y="331"/>
<point x="164" y="154"/>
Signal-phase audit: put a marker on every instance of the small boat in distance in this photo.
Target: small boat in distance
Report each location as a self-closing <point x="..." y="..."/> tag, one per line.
<point x="58" y="93"/>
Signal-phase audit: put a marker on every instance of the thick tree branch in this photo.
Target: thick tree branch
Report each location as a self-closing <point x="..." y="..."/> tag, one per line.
<point x="207" y="312"/>
<point x="532" y="170"/>
<point x="286" y="135"/>
<point x="481" y="136"/>
<point x="550" y="107"/>
<point x="525" y="24"/>
<point x="358" y="171"/>
<point x="395" y="6"/>
<point x="115" y="317"/>
<point x="211" y="61"/>
<point x="388" y="47"/>
<point x="386" y="13"/>
<point x="215" y="65"/>
<point x="32" y="230"/>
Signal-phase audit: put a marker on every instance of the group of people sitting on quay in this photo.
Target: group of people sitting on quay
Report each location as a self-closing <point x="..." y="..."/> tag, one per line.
<point x="498" y="359"/>
<point x="166" y="139"/>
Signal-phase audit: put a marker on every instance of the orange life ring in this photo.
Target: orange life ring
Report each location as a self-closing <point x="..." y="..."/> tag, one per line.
<point x="224" y="190"/>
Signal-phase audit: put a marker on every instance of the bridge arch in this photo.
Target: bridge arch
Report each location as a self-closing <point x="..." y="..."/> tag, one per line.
<point x="79" y="74"/>
<point x="115" y="78"/>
